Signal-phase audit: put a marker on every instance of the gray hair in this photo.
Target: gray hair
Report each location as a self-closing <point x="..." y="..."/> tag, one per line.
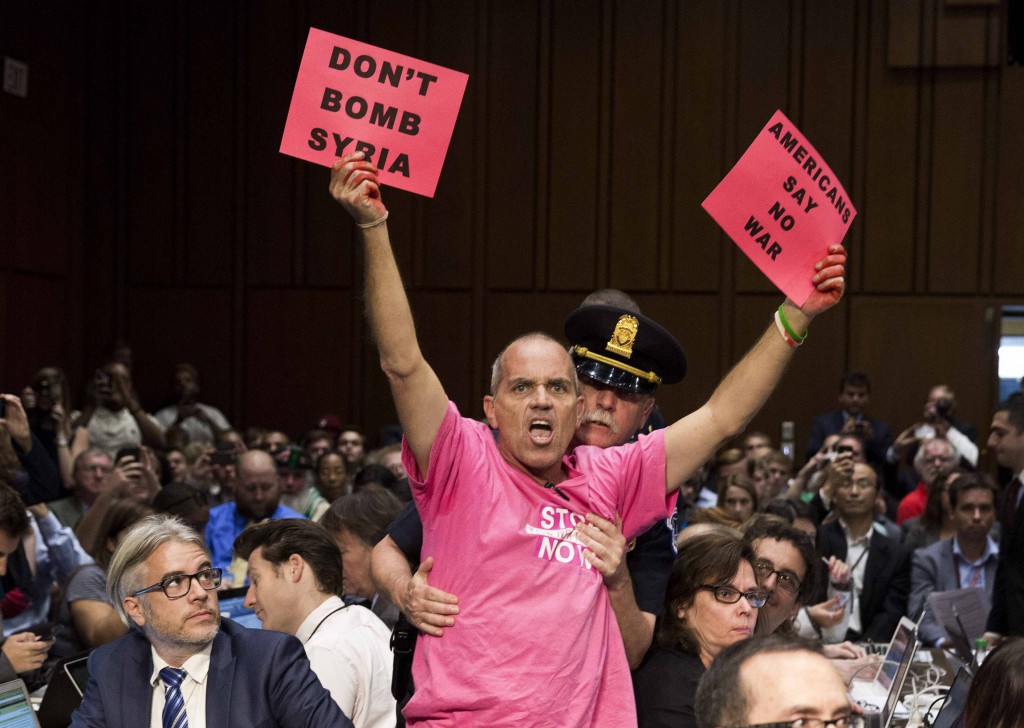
<point x="498" y="367"/>
<point x="919" y="455"/>
<point x="139" y="543"/>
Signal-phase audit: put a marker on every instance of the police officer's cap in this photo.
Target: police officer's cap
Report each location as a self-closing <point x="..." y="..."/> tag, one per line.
<point x="624" y="350"/>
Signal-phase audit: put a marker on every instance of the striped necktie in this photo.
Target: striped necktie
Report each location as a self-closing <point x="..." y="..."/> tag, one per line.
<point x="174" y="705"/>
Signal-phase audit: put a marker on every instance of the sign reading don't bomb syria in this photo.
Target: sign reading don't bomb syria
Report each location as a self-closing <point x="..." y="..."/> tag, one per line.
<point x="352" y="97"/>
<point x="783" y="206"/>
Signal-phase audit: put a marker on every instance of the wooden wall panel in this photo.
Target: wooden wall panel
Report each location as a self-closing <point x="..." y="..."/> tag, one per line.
<point x="587" y="139"/>
<point x="762" y="67"/>
<point x="637" y="109"/>
<point x="512" y="174"/>
<point x="169" y="326"/>
<point x="154" y="139"/>
<point x="1008" y="260"/>
<point x="573" y="124"/>
<point x="299" y="356"/>
<point x="34" y="338"/>
<point x="956" y="183"/>
<point x="209" y="95"/>
<point x="886" y="213"/>
<point x="448" y="245"/>
<point x="700" y="135"/>
<point x="908" y="345"/>
<point x="828" y="64"/>
<point x="447" y="345"/>
<point x="274" y="43"/>
<point x="696" y="322"/>
<point x="41" y="219"/>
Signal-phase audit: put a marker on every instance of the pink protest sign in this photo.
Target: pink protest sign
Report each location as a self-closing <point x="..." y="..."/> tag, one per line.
<point x="351" y="97"/>
<point x="783" y="206"/>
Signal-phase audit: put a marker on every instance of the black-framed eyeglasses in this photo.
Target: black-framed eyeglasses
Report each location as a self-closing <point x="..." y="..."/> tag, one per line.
<point x="785" y="579"/>
<point x="177" y="585"/>
<point x="731" y="595"/>
<point x="847" y="721"/>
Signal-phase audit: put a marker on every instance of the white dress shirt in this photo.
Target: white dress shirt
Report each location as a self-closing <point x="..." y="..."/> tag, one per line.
<point x="349" y="650"/>
<point x="193" y="688"/>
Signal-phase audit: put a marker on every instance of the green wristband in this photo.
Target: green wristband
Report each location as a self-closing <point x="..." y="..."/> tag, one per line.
<point x="789" y="329"/>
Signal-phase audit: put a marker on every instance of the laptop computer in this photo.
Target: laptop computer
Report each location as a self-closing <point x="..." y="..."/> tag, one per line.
<point x="16" y="706"/>
<point x="882" y="689"/>
<point x="952" y="713"/>
<point x="64" y="693"/>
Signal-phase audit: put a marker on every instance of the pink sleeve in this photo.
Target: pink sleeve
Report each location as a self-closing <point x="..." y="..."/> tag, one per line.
<point x="632" y="478"/>
<point x="431" y="491"/>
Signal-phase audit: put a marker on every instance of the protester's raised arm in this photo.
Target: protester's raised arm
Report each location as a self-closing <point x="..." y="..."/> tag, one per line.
<point x="692" y="440"/>
<point x="418" y="394"/>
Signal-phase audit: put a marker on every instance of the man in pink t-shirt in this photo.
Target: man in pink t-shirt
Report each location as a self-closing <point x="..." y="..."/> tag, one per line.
<point x="536" y="642"/>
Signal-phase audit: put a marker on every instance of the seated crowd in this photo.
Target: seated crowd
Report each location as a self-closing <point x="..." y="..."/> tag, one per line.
<point x="762" y="570"/>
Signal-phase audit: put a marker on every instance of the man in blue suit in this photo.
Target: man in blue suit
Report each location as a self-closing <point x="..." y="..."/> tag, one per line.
<point x="182" y="666"/>
<point x="965" y="561"/>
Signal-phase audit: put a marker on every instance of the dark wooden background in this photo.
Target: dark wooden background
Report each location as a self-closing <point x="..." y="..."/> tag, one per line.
<point x="142" y="194"/>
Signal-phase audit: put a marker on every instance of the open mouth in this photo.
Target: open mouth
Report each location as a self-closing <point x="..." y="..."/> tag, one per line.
<point x="541" y="431"/>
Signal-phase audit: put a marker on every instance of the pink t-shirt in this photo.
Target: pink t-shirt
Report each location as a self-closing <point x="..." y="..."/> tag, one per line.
<point x="535" y="642"/>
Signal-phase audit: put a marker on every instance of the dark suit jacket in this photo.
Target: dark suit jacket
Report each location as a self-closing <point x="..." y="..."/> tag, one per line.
<point x="1007" y="615"/>
<point x="934" y="569"/>
<point x="257" y="678"/>
<point x="832" y="422"/>
<point x="886" y="581"/>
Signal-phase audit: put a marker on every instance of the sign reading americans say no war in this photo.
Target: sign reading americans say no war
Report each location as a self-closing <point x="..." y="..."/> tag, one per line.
<point x="352" y="97"/>
<point x="783" y="206"/>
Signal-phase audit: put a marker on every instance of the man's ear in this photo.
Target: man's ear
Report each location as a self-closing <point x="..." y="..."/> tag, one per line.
<point x="648" y="408"/>
<point x="489" y="411"/>
<point x="296" y="566"/>
<point x="580" y="407"/>
<point x="134" y="609"/>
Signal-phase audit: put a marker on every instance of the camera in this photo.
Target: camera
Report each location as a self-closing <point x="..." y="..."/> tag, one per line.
<point x="840" y="449"/>
<point x="944" y="408"/>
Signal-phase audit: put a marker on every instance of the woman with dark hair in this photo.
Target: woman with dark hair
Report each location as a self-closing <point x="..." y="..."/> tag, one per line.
<point x="936" y="523"/>
<point x="738" y="496"/>
<point x="357" y="522"/>
<point x="996" y="698"/>
<point x="711" y="602"/>
<point x="85" y="618"/>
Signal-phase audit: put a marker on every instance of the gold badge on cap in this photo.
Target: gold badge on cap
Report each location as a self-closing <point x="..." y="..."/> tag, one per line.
<point x="623" y="336"/>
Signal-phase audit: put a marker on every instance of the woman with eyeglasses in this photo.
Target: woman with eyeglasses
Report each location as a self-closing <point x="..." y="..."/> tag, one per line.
<point x="711" y="602"/>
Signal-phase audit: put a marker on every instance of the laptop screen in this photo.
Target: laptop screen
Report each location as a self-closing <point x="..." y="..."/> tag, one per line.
<point x="951" y="715"/>
<point x="15" y="708"/>
<point x="905" y="643"/>
<point x="898" y="647"/>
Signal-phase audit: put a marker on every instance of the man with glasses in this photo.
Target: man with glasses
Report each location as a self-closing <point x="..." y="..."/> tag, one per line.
<point x="805" y="690"/>
<point x="257" y="499"/>
<point x="879" y="579"/>
<point x="935" y="457"/>
<point x="185" y="667"/>
<point x="90" y="472"/>
<point x="786" y="566"/>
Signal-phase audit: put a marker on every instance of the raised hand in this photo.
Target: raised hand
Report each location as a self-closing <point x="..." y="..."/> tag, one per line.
<point x="354" y="185"/>
<point x="829" y="282"/>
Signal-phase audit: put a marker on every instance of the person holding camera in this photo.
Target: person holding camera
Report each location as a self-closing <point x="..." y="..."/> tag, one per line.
<point x="201" y="422"/>
<point x="114" y="418"/>
<point x="937" y="421"/>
